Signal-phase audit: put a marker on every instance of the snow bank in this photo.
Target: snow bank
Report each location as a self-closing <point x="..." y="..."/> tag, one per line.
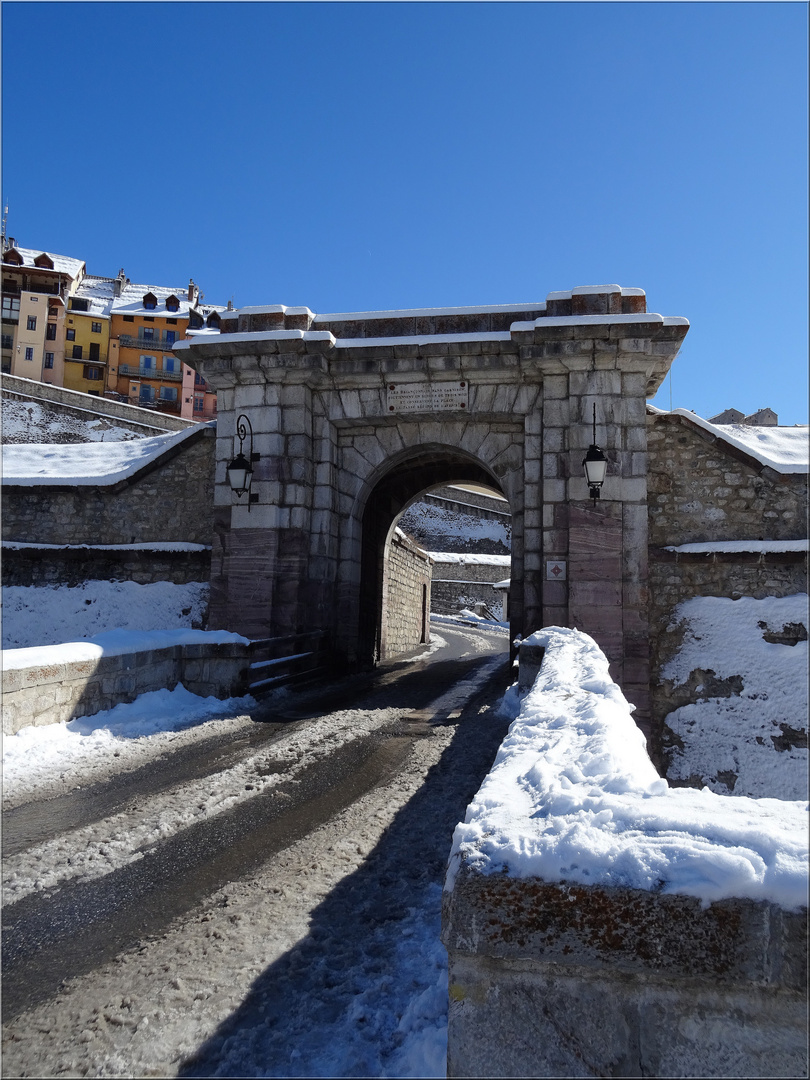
<point x="739" y="742"/>
<point x="35" y="755"/>
<point x="573" y="796"/>
<point x="33" y="421"/>
<point x="53" y="614"/>
<point x="114" y="643"/>
<point x="85" y="464"/>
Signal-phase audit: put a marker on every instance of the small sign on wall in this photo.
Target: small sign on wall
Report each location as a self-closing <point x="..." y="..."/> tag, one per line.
<point x="556" y="570"/>
<point x="427" y="397"/>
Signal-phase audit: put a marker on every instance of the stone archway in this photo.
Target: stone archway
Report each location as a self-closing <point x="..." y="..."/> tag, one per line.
<point x="346" y="410"/>
<point x="405" y="478"/>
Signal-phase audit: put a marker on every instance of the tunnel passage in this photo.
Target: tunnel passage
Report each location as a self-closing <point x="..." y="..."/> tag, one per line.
<point x="424" y="468"/>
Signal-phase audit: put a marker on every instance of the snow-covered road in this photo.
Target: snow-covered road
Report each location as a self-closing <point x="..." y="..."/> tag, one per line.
<point x="324" y="960"/>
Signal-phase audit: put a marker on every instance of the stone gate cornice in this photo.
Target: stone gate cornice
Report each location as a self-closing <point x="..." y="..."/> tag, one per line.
<point x="527" y="352"/>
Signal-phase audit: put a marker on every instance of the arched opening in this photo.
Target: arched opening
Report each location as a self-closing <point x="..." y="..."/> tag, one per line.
<point x="404" y="482"/>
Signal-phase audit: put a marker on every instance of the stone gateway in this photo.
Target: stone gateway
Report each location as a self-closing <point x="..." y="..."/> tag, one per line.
<point x="354" y="416"/>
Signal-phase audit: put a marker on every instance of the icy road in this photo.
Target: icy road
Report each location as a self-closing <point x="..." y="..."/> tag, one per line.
<point x="259" y="896"/>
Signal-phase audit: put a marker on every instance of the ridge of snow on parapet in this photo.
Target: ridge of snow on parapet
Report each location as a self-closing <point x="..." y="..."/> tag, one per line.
<point x="783" y="449"/>
<point x="115" y="643"/>
<point x="709" y="547"/>
<point x="573" y="796"/>
<point x="473" y="560"/>
<point x="85" y="464"/>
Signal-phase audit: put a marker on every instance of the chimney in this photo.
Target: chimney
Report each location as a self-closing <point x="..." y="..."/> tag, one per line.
<point x="193" y="291"/>
<point x="119" y="282"/>
<point x="230" y="305"/>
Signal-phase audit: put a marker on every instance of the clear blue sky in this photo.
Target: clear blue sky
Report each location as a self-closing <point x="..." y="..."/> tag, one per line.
<point x="372" y="156"/>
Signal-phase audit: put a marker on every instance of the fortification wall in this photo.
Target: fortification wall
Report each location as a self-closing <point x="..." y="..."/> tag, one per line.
<point x="406" y="597"/>
<point x="171" y="500"/>
<point x="700" y="488"/>
<point x="58" y="565"/>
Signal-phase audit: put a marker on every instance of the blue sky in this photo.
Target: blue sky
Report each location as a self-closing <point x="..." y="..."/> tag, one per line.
<point x="372" y="156"/>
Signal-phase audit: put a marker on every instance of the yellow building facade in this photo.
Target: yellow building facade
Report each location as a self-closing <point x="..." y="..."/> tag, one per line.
<point x="87" y="336"/>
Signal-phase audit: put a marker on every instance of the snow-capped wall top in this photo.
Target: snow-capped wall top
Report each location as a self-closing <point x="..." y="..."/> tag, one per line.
<point x="783" y="449"/>
<point x="720" y="547"/>
<point x="573" y="796"/>
<point x="408" y="313"/>
<point x="85" y="464"/>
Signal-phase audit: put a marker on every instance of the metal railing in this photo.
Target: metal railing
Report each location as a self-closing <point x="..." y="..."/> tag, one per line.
<point x="150" y="373"/>
<point x="292" y="658"/>
<point x="11" y="288"/>
<point x="126" y="341"/>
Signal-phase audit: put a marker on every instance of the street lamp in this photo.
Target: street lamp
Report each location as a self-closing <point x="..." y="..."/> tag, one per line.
<point x="595" y="465"/>
<point x="240" y="470"/>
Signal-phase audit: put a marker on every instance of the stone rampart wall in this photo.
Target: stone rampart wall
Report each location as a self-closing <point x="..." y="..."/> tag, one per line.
<point x="449" y="597"/>
<point x="73" y="566"/>
<point x="170" y="501"/>
<point x="702" y="489"/>
<point x="462" y="585"/>
<point x="678" y="576"/>
<point x="53" y="693"/>
<point x="86" y="407"/>
<point x="551" y="977"/>
<point x="560" y="980"/>
<point x="406" y="598"/>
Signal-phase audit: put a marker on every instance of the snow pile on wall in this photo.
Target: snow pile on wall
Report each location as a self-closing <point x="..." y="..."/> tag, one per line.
<point x="87" y="464"/>
<point x="573" y="796"/>
<point x="783" y="449"/>
<point x="752" y="740"/>
<point x="50" y="615"/>
<point x="439" y="529"/>
<point x="32" y="422"/>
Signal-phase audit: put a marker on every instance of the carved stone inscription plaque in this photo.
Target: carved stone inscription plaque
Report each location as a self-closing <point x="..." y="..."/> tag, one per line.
<point x="427" y="397"/>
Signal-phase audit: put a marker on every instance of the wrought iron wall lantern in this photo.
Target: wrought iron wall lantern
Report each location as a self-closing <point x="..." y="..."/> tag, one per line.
<point x="595" y="465"/>
<point x="240" y="470"/>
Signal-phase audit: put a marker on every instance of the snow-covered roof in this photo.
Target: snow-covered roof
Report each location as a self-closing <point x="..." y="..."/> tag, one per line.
<point x="85" y="464"/>
<point x="62" y="264"/>
<point x="130" y="302"/>
<point x="783" y="449"/>
<point x="99" y="293"/>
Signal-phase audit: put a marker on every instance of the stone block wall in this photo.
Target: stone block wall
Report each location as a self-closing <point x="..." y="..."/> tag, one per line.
<point x="169" y="501"/>
<point x="406" y="597"/>
<point x="701" y="488"/>
<point x="53" y="693"/>
<point x="85" y="407"/>
<point x="566" y="980"/>
<point x="459" y="585"/>
<point x="73" y="566"/>
<point x="591" y="968"/>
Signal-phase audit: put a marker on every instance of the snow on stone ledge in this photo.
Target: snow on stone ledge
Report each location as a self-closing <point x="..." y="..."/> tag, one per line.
<point x="465" y="559"/>
<point x="731" y="547"/>
<point x="783" y="449"/>
<point x="114" y="643"/>
<point x="85" y="464"/>
<point x="573" y="796"/>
